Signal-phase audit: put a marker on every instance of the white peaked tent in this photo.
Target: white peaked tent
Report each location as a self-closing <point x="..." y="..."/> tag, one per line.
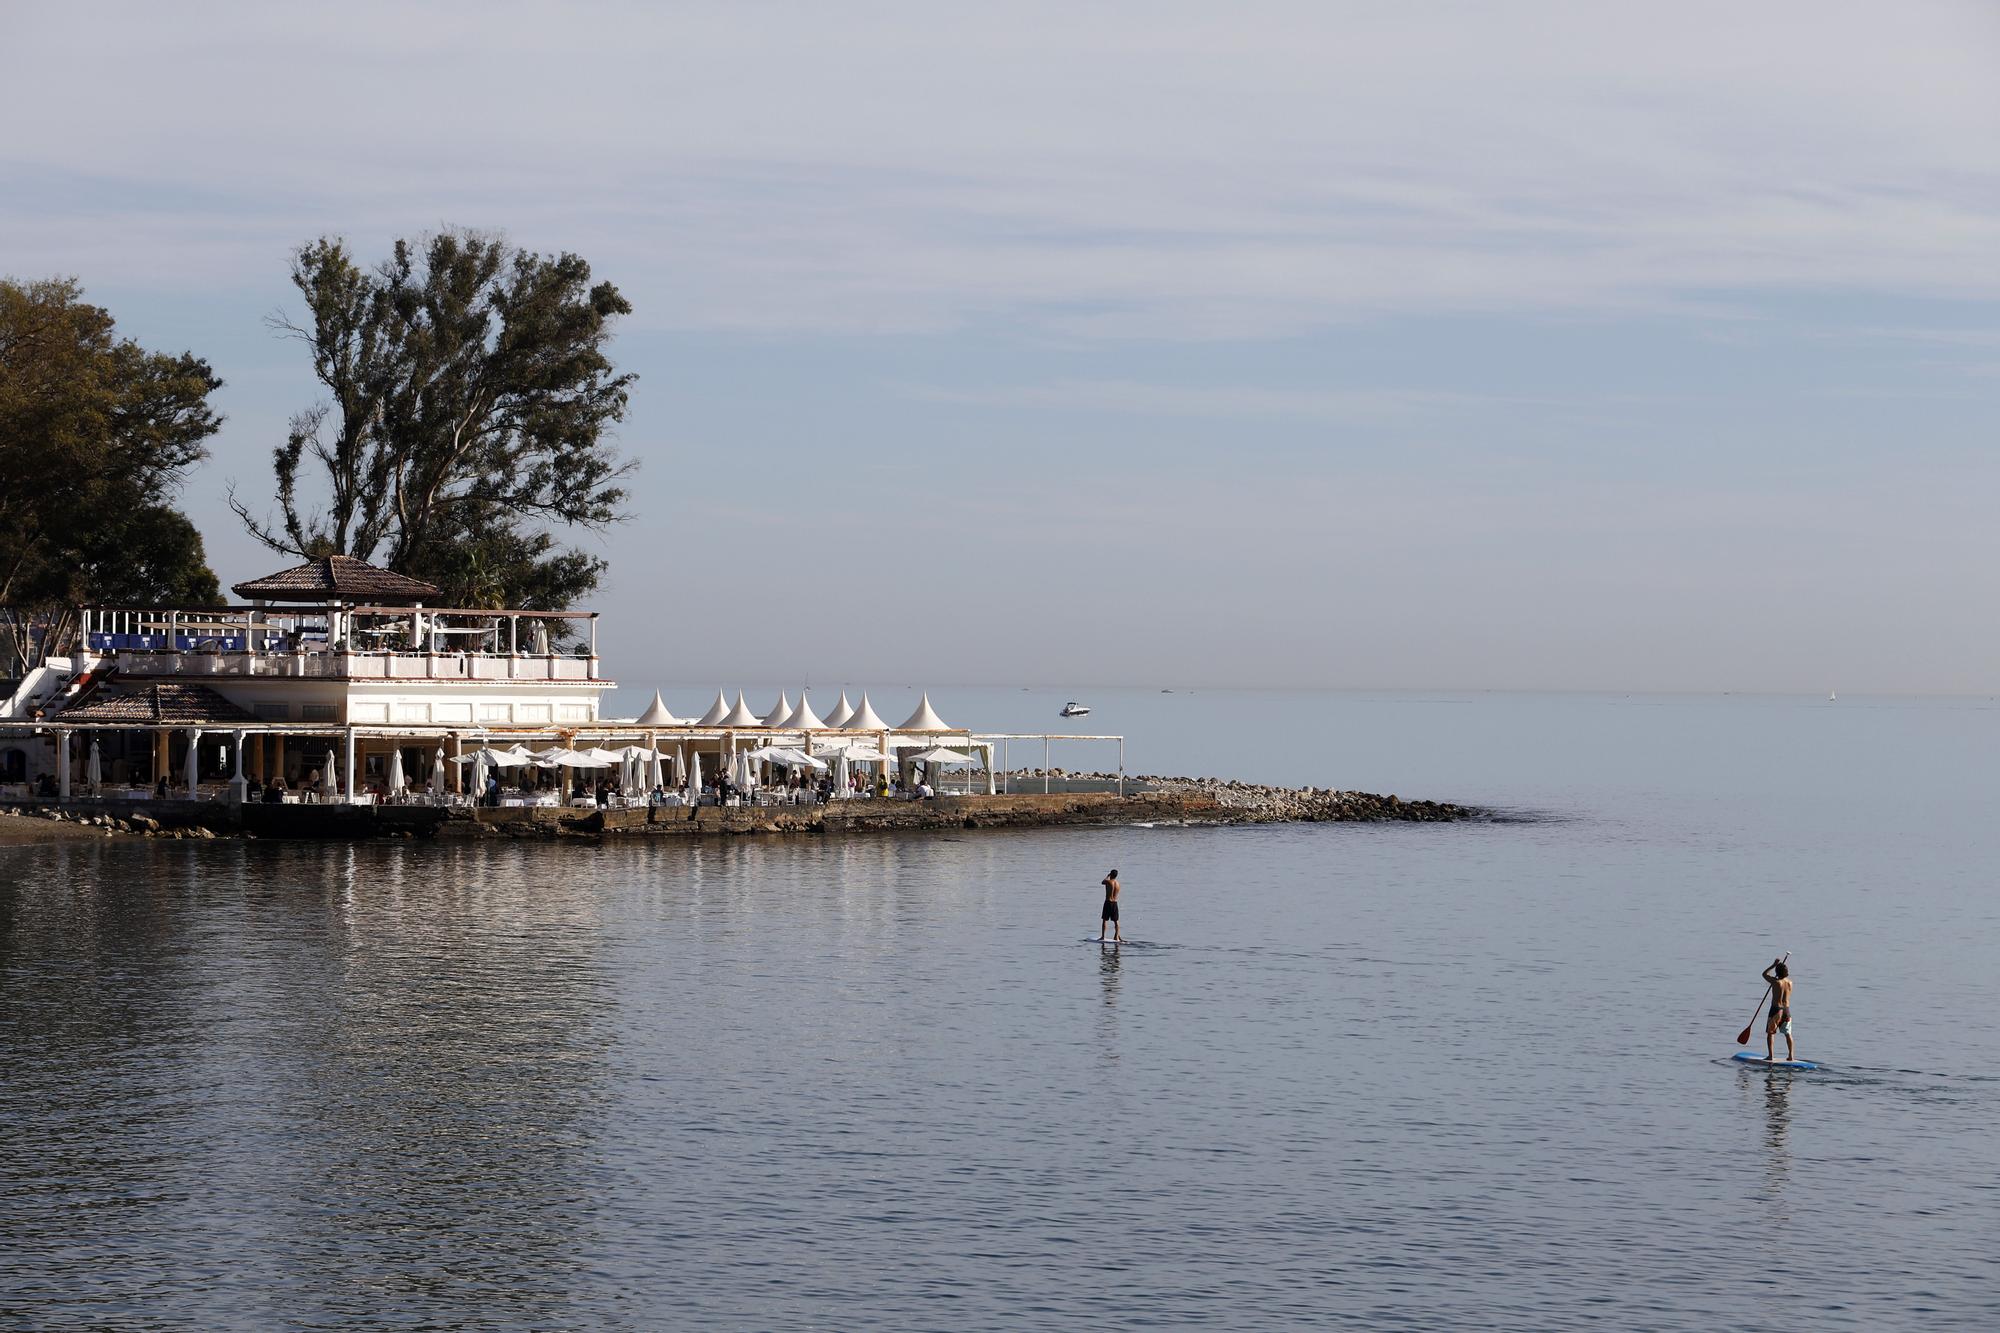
<point x="658" y="716"/>
<point x="865" y="718"/>
<point x="925" y="719"/>
<point x="803" y="718"/>
<point x="776" y="717"/>
<point x="716" y="712"/>
<point x="838" y="717"/>
<point x="741" y="716"/>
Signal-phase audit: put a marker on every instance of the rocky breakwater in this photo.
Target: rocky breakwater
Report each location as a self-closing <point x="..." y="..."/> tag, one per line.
<point x="48" y="824"/>
<point x="1220" y="800"/>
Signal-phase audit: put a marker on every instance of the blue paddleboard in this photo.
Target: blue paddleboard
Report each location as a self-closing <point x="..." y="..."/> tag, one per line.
<point x="1750" y="1059"/>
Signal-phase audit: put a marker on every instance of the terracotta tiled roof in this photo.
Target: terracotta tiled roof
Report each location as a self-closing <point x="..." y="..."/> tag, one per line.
<point x="336" y="576"/>
<point x="165" y="705"/>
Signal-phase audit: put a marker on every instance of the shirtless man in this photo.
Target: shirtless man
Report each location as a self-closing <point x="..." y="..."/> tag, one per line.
<point x="1109" y="917"/>
<point x="1779" y="977"/>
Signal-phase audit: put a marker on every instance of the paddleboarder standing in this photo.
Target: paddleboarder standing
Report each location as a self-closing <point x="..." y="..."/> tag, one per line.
<point x="1779" y="978"/>
<point x="1109" y="916"/>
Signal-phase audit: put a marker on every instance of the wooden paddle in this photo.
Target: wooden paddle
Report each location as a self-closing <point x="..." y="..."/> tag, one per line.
<point x="1743" y="1037"/>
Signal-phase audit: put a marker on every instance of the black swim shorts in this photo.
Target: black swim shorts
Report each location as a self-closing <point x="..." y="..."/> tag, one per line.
<point x="1110" y="912"/>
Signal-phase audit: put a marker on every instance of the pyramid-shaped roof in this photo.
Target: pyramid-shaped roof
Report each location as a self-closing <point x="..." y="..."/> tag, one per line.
<point x="776" y="717"/>
<point x="741" y="716"/>
<point x="803" y="718"/>
<point x="925" y="719"/>
<point x="716" y="712"/>
<point x="337" y="578"/>
<point x="865" y="717"/>
<point x="658" y="716"/>
<point x="838" y="717"/>
<point x="172" y="703"/>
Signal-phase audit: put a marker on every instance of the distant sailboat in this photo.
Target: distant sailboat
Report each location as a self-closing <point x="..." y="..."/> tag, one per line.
<point x="1831" y="696"/>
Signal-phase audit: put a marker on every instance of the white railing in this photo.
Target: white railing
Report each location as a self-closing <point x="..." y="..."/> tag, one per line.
<point x="359" y="666"/>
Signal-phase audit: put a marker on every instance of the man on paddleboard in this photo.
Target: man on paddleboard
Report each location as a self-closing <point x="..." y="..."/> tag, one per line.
<point x="1109" y="917"/>
<point x="1779" y="978"/>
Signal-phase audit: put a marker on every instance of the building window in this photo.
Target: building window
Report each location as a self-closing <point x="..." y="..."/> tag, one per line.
<point x="496" y="713"/>
<point x="13" y="765"/>
<point x="275" y="712"/>
<point x="317" y="712"/>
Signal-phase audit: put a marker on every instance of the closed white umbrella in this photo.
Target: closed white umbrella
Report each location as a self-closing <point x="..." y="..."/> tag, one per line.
<point x="841" y="777"/>
<point x="93" y="767"/>
<point x="330" y="783"/>
<point x="653" y="772"/>
<point x="694" y="777"/>
<point x="193" y="760"/>
<point x="437" y="772"/>
<point x="397" y="786"/>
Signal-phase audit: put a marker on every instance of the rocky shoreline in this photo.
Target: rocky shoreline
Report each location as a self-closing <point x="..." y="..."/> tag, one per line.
<point x="50" y="824"/>
<point x="1256" y="803"/>
<point x="1150" y="800"/>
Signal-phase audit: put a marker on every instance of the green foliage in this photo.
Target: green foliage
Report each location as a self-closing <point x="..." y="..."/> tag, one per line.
<point x="468" y="403"/>
<point x="95" y="433"/>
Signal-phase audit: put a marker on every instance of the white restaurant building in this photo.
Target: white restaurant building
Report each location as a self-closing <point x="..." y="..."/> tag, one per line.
<point x="339" y="665"/>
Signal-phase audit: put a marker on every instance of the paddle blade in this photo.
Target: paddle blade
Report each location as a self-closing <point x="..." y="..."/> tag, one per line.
<point x="1743" y="1037"/>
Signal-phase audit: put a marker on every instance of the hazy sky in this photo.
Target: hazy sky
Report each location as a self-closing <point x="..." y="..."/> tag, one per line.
<point x="1523" y="345"/>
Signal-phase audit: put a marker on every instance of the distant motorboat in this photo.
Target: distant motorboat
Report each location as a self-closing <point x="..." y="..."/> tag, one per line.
<point x="1075" y="709"/>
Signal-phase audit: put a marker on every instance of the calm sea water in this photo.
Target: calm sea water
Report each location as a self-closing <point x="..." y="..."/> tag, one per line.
<point x="1399" y="1076"/>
